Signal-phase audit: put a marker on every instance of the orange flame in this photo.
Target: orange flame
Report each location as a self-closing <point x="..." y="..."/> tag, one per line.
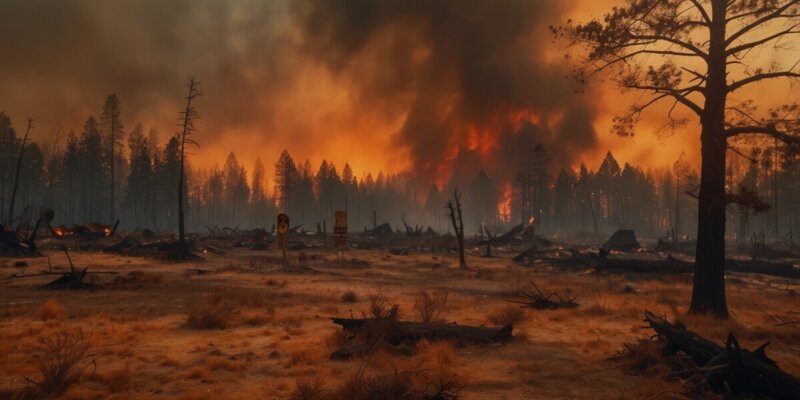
<point x="531" y="220"/>
<point x="504" y="207"/>
<point x="61" y="231"/>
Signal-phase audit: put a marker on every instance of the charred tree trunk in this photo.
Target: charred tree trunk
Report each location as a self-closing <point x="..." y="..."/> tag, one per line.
<point x="454" y="211"/>
<point x="189" y="115"/>
<point x="708" y="292"/>
<point x="15" y="185"/>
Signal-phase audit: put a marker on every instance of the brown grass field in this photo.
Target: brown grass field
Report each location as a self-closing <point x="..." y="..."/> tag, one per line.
<point x="243" y="329"/>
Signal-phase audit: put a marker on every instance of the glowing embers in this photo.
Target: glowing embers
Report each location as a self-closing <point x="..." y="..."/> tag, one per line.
<point x="504" y="206"/>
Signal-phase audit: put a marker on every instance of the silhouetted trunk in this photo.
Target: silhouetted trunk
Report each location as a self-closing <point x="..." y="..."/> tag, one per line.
<point x="15" y="186"/>
<point x="111" y="201"/>
<point x="181" y="230"/>
<point x="708" y="292"/>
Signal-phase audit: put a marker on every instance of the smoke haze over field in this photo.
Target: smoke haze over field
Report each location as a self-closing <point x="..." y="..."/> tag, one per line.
<point x="428" y="87"/>
<point x="425" y="91"/>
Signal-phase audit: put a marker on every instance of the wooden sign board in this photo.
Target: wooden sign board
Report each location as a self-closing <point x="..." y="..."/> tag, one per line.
<point x="340" y="226"/>
<point x="340" y="230"/>
<point x="283" y="229"/>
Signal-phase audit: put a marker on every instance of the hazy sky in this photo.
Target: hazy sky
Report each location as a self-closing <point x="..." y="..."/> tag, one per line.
<point x="425" y="86"/>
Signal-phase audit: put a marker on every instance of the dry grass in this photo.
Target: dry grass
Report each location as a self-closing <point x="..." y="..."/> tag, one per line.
<point x="430" y="305"/>
<point x="209" y="312"/>
<point x="379" y="304"/>
<point x="307" y="389"/>
<point x="336" y="339"/>
<point x="645" y="356"/>
<point x="62" y="361"/>
<point x="137" y="279"/>
<point x="506" y="315"/>
<point x="50" y="309"/>
<point x="118" y="380"/>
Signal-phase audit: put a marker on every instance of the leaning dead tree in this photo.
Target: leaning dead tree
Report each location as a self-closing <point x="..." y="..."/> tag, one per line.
<point x="696" y="55"/>
<point x="15" y="186"/>
<point x="730" y="368"/>
<point x="188" y="116"/>
<point x="454" y="211"/>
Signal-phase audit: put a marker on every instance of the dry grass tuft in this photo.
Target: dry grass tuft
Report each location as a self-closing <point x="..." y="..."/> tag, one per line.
<point x="336" y="339"/>
<point x="646" y="356"/>
<point x="431" y="304"/>
<point x="50" y="309"/>
<point x="137" y="279"/>
<point x="379" y="304"/>
<point x="307" y="389"/>
<point x="62" y="361"/>
<point x="507" y="315"/>
<point x="438" y="354"/>
<point x="597" y="310"/>
<point x="210" y="312"/>
<point x="118" y="380"/>
<point x="393" y="386"/>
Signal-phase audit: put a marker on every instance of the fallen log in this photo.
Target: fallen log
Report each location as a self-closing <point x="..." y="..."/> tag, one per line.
<point x="213" y="249"/>
<point x="784" y="270"/>
<point x="407" y="331"/>
<point x="506" y="237"/>
<point x="123" y="245"/>
<point x="735" y="368"/>
<point x="670" y="264"/>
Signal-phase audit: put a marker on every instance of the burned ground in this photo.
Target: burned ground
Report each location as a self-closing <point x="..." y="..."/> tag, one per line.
<point x="239" y="325"/>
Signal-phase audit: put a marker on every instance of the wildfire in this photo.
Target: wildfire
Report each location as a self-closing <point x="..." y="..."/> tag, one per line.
<point x="504" y="207"/>
<point x="531" y="220"/>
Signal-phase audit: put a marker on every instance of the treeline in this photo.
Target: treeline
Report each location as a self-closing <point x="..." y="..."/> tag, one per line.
<point x="105" y="172"/>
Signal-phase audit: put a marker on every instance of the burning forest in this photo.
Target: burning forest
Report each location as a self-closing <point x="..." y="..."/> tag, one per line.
<point x="399" y="199"/>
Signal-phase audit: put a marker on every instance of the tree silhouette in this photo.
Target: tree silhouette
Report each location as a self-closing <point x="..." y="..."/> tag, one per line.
<point x="188" y="116"/>
<point x="112" y="127"/>
<point x="15" y="184"/>
<point x="456" y="219"/>
<point x="695" y="54"/>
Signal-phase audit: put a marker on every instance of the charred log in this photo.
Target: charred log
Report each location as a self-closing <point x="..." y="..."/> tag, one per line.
<point x="734" y="368"/>
<point x="407" y="331"/>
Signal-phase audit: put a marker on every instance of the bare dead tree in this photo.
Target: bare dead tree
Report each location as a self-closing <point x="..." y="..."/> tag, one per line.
<point x="696" y="54"/>
<point x="16" y="173"/>
<point x="188" y="115"/>
<point x="454" y="211"/>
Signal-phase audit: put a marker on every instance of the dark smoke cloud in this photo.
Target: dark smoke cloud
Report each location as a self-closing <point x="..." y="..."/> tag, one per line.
<point x="61" y="58"/>
<point x="441" y="68"/>
<point x="463" y="65"/>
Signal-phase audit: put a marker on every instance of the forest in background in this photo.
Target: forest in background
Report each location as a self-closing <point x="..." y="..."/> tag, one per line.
<point x="72" y="174"/>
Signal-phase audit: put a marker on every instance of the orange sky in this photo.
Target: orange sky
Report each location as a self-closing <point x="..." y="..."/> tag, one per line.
<point x="393" y="90"/>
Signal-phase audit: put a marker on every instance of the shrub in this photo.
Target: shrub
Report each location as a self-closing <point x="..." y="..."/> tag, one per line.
<point x="507" y="315"/>
<point x="379" y="305"/>
<point x="431" y="304"/>
<point x="307" y="389"/>
<point x="62" y="361"/>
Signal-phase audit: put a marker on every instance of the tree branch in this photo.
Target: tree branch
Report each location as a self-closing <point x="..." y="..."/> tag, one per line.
<point x="675" y="93"/>
<point x="755" y="43"/>
<point x="759" y="77"/>
<point x="769" y="130"/>
<point x="775" y="14"/>
<point x="702" y="11"/>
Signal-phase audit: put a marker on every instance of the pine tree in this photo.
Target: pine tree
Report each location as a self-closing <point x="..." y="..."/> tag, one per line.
<point x="112" y="129"/>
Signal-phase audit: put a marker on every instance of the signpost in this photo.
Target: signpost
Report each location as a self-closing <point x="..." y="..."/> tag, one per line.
<point x="283" y="231"/>
<point x="340" y="233"/>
